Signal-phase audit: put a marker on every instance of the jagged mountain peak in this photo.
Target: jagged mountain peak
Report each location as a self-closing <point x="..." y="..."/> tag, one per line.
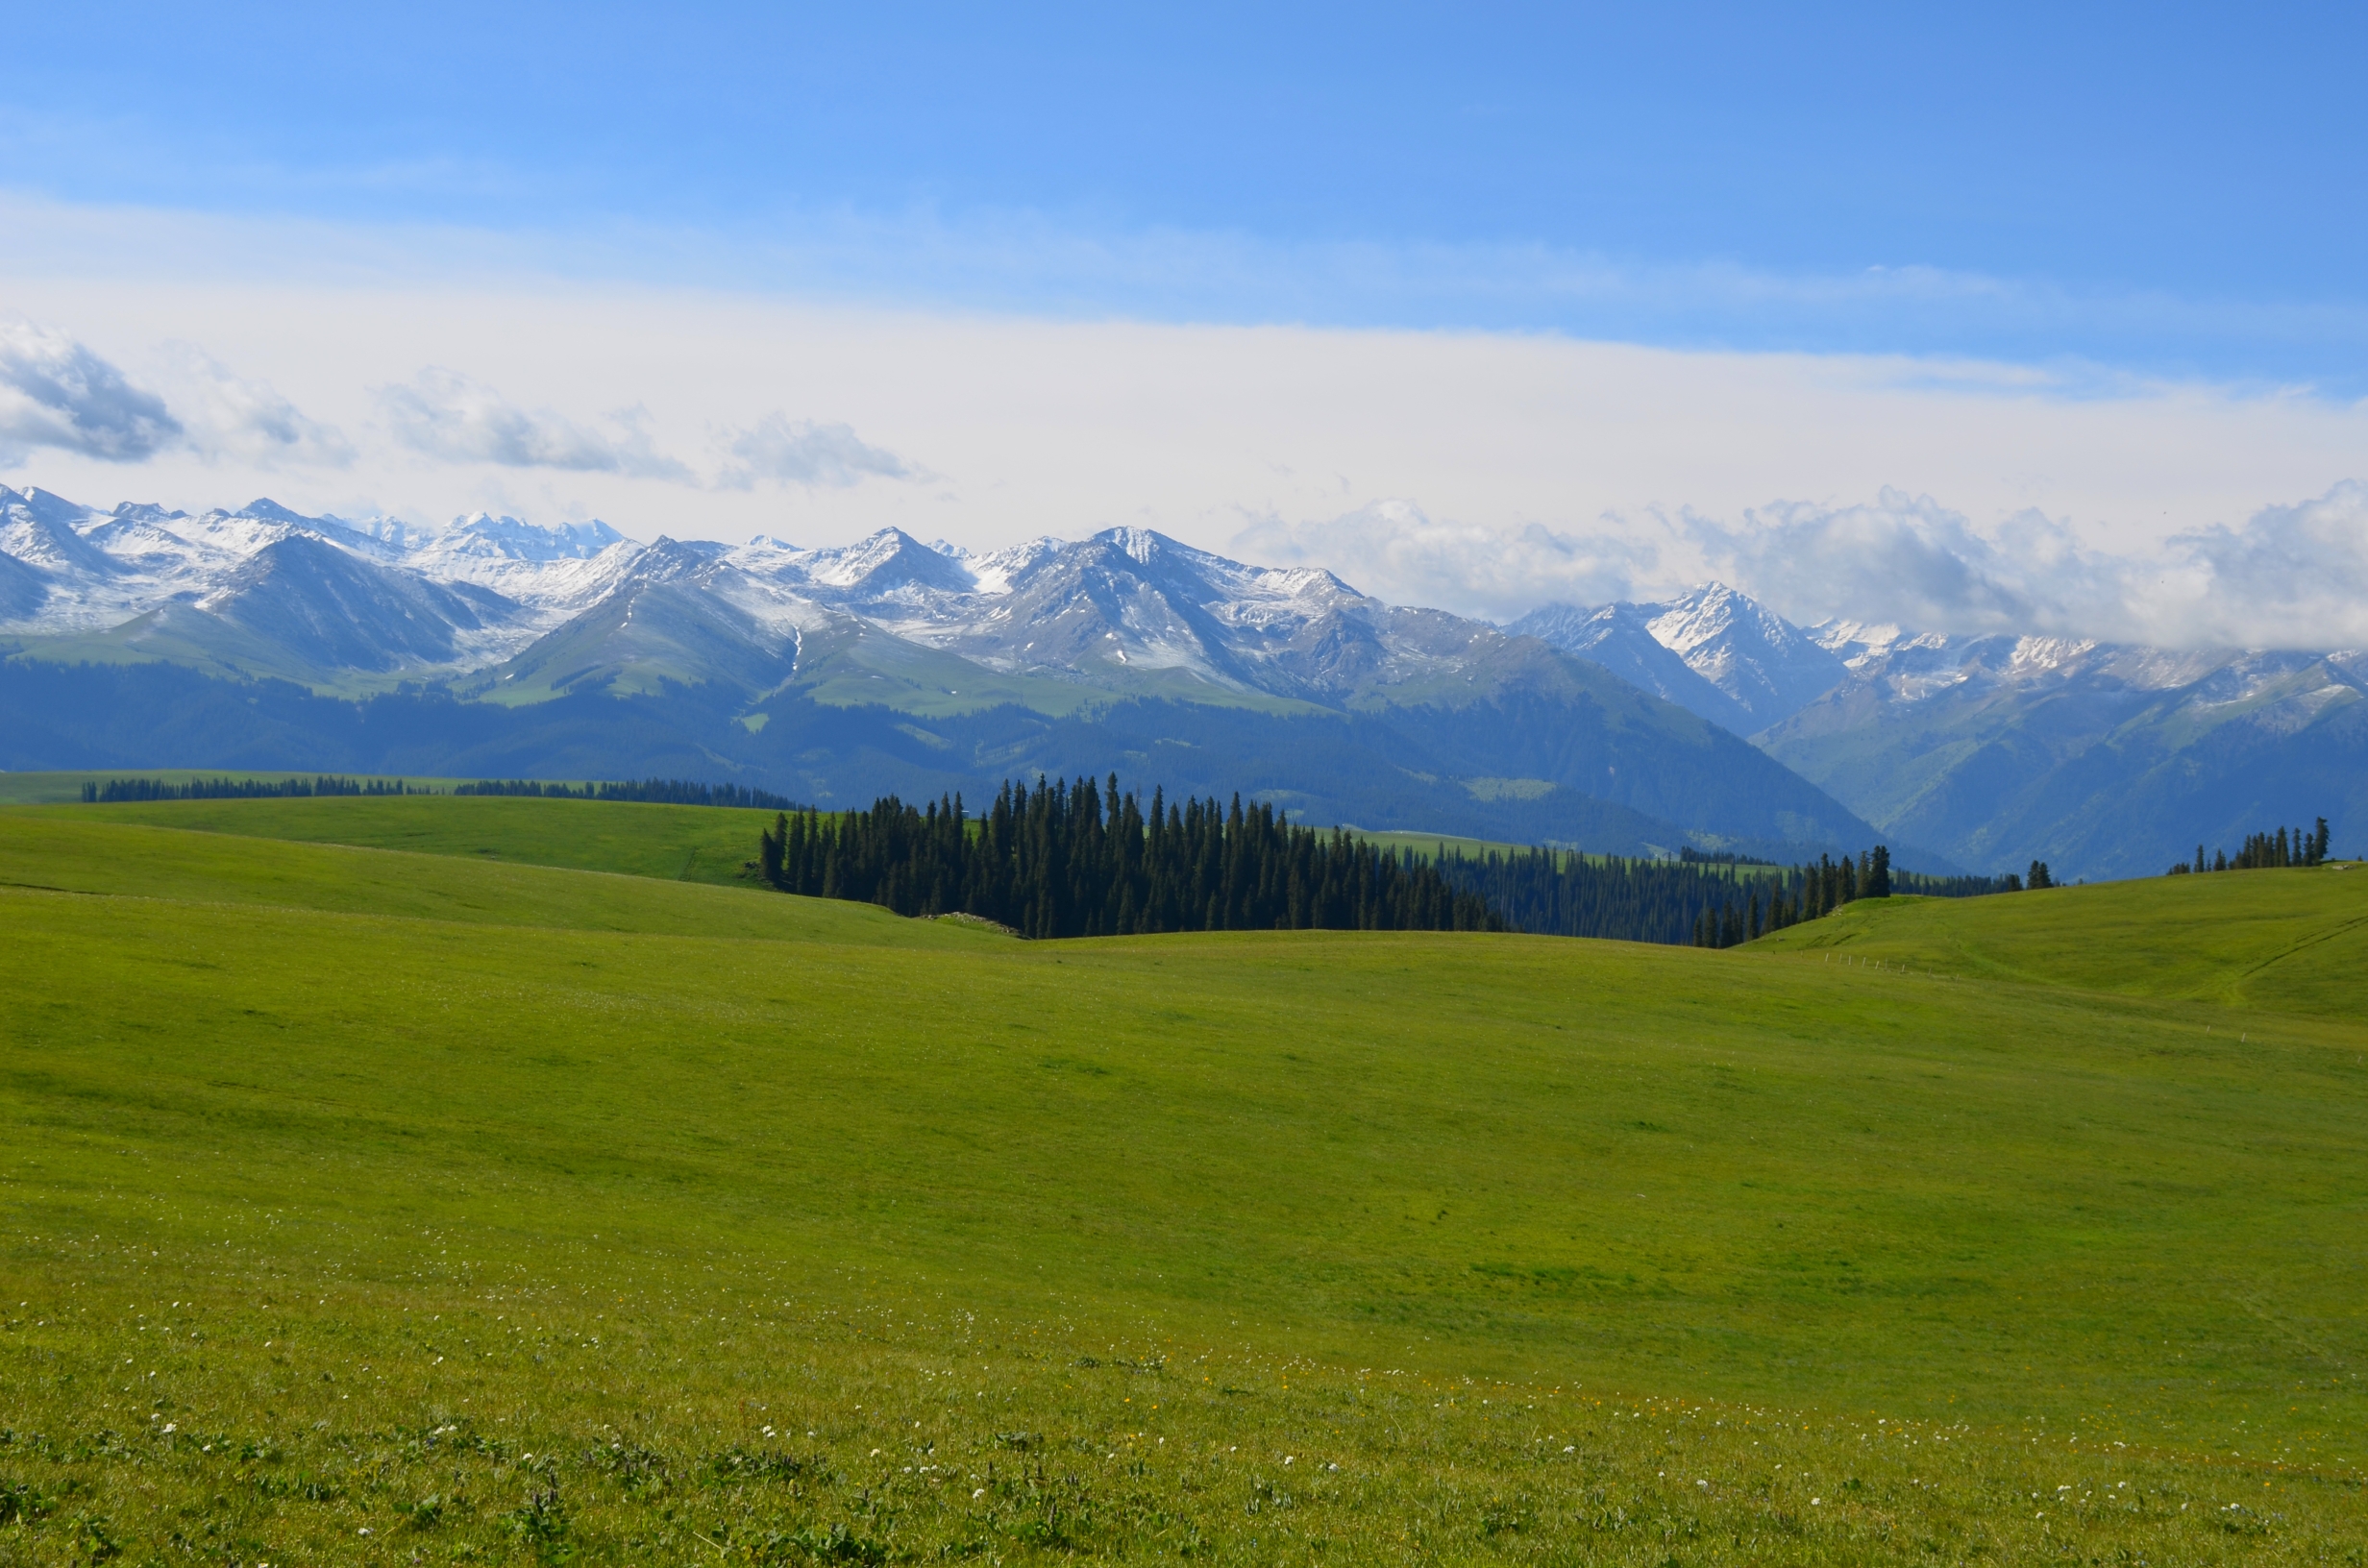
<point x="1854" y="642"/>
<point x="665" y="559"/>
<point x="264" y="509"/>
<point x="45" y="507"/>
<point x="145" y="511"/>
<point x="1711" y="610"/>
<point x="508" y="538"/>
<point x="1743" y="666"/>
<point x="888" y="560"/>
<point x="39" y="529"/>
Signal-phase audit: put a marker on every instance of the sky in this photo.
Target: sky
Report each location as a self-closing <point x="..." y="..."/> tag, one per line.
<point x="2034" y="319"/>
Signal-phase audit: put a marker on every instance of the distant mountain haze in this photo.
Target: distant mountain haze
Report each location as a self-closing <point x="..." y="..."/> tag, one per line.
<point x="832" y="673"/>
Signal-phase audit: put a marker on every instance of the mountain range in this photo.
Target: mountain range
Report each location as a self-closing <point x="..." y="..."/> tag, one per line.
<point x="262" y="637"/>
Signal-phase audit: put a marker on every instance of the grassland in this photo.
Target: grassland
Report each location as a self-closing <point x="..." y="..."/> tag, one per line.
<point x="341" y="1180"/>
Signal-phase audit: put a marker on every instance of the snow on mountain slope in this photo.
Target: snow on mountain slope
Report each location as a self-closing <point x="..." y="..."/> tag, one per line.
<point x="2103" y="759"/>
<point x="1768" y="666"/>
<point x="1742" y="665"/>
<point x="1619" y="637"/>
<point x="332" y="610"/>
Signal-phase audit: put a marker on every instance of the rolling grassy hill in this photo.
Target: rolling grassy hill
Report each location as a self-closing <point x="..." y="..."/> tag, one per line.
<point x="503" y="1211"/>
<point x="692" y="844"/>
<point x="2283" y="941"/>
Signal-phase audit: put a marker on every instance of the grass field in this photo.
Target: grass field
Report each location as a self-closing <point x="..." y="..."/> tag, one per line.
<point x="342" y="1180"/>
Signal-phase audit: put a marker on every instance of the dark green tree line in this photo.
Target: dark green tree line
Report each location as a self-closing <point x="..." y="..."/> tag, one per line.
<point x="1080" y="860"/>
<point x="242" y="788"/>
<point x="669" y="791"/>
<point x="2263" y="851"/>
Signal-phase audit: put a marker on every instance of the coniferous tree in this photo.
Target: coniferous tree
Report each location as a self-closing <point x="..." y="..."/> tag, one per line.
<point x="1086" y="859"/>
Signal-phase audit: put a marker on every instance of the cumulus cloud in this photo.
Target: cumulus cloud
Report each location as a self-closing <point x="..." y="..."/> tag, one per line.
<point x="445" y="414"/>
<point x="56" y="392"/>
<point x="1395" y="552"/>
<point x="229" y="416"/>
<point x="2293" y="575"/>
<point x="802" y="451"/>
<point x="1910" y="560"/>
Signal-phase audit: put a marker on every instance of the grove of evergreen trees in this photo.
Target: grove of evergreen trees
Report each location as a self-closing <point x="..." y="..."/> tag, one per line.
<point x="2265" y="850"/>
<point x="1709" y="901"/>
<point x="1082" y="859"/>
<point x="1811" y="892"/>
<point x="1078" y="860"/>
<point x="675" y="792"/>
<point x="669" y="792"/>
<point x="240" y="789"/>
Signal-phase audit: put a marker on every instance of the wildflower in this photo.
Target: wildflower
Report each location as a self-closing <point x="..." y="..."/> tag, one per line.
<point x="977" y="1494"/>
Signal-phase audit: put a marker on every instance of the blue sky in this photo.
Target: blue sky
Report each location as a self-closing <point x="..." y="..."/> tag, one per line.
<point x="2011" y="316"/>
<point x="2164" y="190"/>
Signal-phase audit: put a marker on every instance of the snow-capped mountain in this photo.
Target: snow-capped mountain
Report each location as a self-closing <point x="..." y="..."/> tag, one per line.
<point x="1986" y="749"/>
<point x="887" y="663"/>
<point x="266" y="588"/>
<point x="1713" y="651"/>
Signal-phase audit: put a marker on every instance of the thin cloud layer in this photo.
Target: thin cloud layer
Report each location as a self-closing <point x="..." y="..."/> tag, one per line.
<point x="2290" y="577"/>
<point x="54" y="392"/>
<point x="1395" y="552"/>
<point x="446" y="414"/>
<point x="1910" y="560"/>
<point x="233" y="417"/>
<point x="802" y="451"/>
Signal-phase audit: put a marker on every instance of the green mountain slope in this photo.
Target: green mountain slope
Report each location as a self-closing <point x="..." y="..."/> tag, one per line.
<point x="2114" y="766"/>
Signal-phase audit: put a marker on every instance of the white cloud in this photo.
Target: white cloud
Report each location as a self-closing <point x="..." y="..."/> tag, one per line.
<point x="2292" y="576"/>
<point x="233" y="418"/>
<point x="54" y="392"/>
<point x="446" y="414"/>
<point x="805" y="453"/>
<point x="1482" y="472"/>
<point x="1908" y="559"/>
<point x="1395" y="552"/>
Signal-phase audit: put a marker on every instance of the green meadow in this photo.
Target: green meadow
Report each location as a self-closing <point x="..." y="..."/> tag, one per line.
<point x="486" y="1180"/>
